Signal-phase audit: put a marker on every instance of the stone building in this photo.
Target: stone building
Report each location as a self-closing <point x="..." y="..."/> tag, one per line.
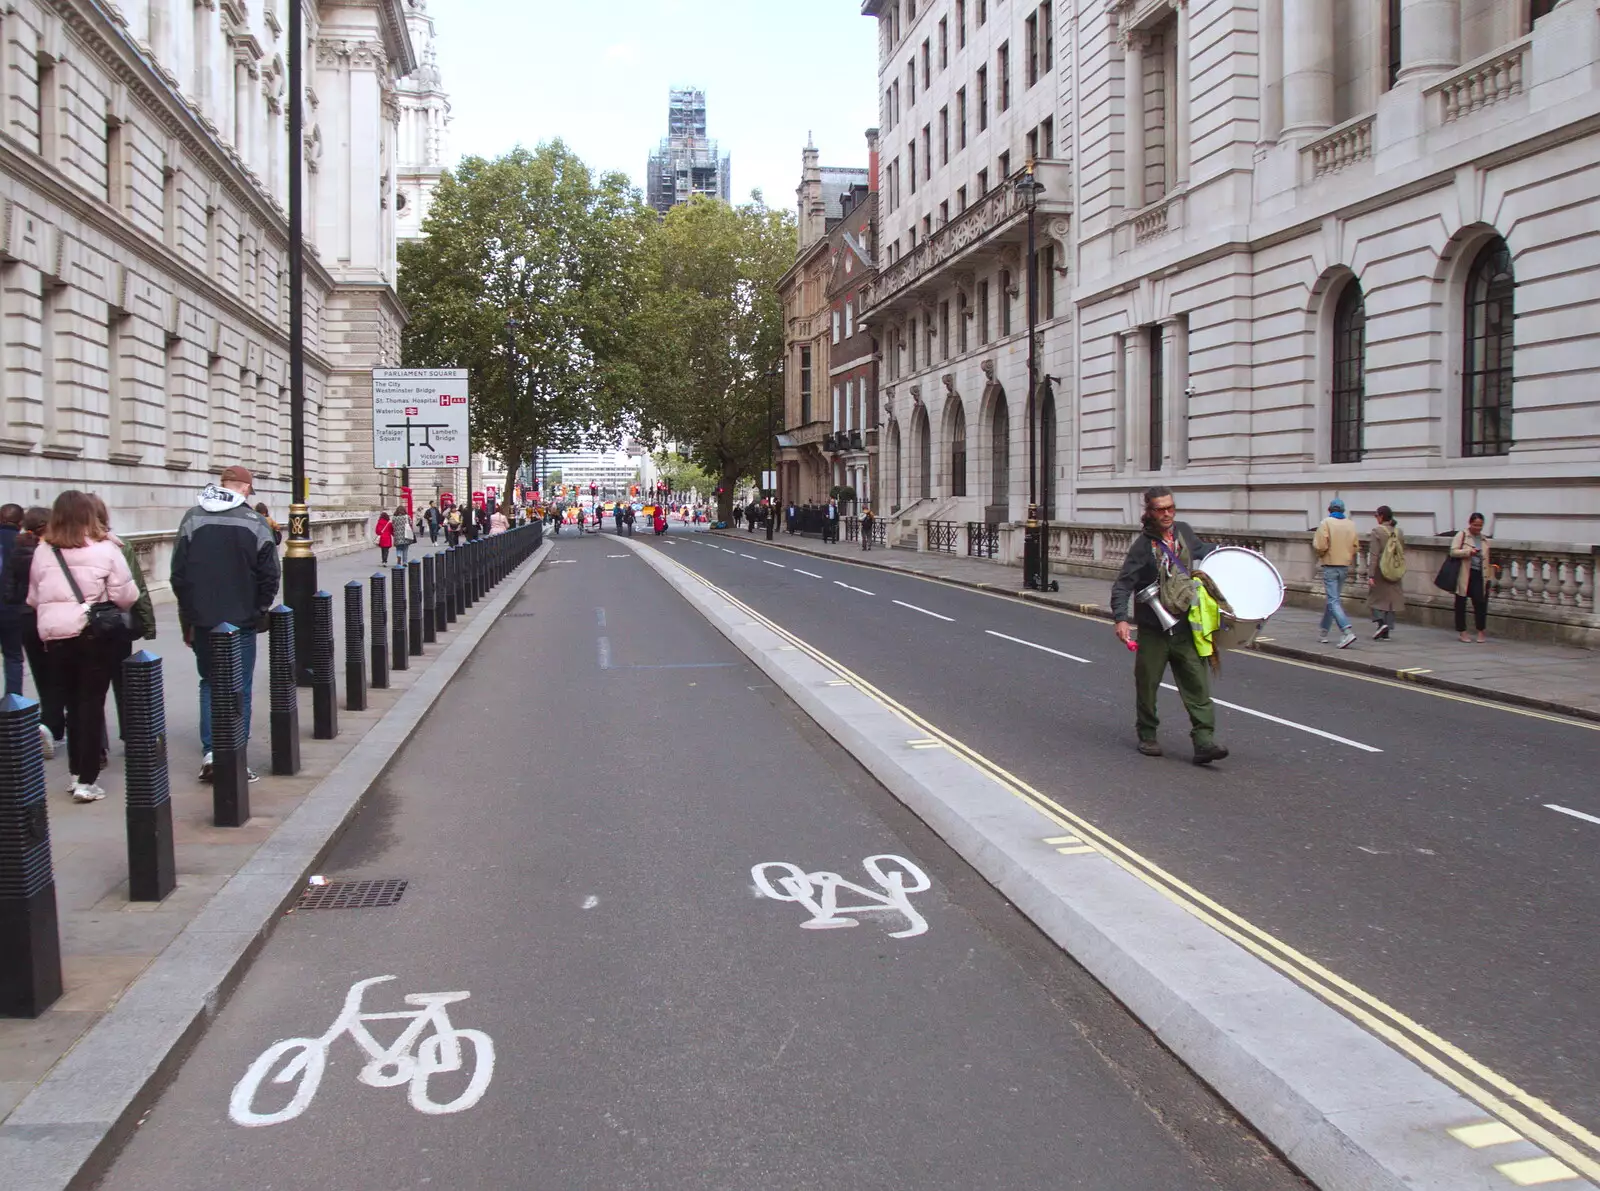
<point x="423" y="145"/>
<point x="1302" y="248"/>
<point x="143" y="270"/>
<point x="830" y="404"/>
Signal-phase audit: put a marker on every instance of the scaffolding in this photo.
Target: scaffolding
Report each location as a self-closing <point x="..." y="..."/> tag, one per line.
<point x="687" y="161"/>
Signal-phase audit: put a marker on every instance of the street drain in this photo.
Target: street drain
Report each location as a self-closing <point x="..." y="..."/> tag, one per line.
<point x="351" y="895"/>
<point x="516" y="615"/>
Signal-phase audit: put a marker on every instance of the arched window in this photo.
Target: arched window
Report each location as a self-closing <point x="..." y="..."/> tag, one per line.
<point x="1486" y="355"/>
<point x="1349" y="373"/>
<point x="958" y="453"/>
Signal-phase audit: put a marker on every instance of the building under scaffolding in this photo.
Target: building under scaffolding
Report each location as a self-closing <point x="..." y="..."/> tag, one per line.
<point x="687" y="162"/>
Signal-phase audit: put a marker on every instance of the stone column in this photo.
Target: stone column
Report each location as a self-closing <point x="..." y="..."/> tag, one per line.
<point x="1175" y="403"/>
<point x="1271" y="69"/>
<point x="1307" y="66"/>
<point x="1133" y="135"/>
<point x="1430" y="38"/>
<point x="1180" y="89"/>
<point x="1133" y="392"/>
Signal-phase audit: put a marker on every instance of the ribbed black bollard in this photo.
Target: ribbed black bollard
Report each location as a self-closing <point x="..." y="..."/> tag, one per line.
<point x="324" y="682"/>
<point x="380" y="631"/>
<point x="355" y="648"/>
<point x="430" y="602"/>
<point x="452" y="584"/>
<point x="285" y="697"/>
<point x="399" y="657"/>
<point x="441" y="618"/>
<point x="414" y="604"/>
<point x="468" y="561"/>
<point x="152" y="867"/>
<point x="30" y="937"/>
<point x="230" y="785"/>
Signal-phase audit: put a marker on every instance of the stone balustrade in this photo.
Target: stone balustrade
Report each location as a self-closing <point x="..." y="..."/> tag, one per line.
<point x="1488" y="81"/>
<point x="1341" y="148"/>
<point x="331" y="536"/>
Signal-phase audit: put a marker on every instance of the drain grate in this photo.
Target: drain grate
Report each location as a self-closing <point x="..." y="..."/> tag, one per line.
<point x="351" y="895"/>
<point x="516" y="615"/>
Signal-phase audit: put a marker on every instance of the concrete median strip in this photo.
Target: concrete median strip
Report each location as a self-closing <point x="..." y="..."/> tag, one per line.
<point x="74" y="1120"/>
<point x="1349" y="1110"/>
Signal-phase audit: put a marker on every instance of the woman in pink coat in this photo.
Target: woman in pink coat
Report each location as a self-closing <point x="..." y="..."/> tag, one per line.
<point x="80" y="665"/>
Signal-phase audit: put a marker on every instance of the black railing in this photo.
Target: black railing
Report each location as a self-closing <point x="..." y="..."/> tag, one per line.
<point x="983" y="539"/>
<point x="942" y="536"/>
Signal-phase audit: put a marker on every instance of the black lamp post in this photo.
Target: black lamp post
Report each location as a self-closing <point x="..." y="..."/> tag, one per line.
<point x="511" y="382"/>
<point x="299" y="563"/>
<point x="1035" y="548"/>
<point x="775" y="374"/>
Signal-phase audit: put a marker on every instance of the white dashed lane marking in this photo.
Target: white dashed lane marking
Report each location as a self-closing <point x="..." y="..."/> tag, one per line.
<point x="807" y="574"/>
<point x="847" y="587"/>
<point x="924" y="611"/>
<point x="1071" y="657"/>
<point x="1355" y="744"/>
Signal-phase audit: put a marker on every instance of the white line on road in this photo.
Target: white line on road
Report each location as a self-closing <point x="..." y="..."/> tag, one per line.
<point x="807" y="574"/>
<point x="751" y="557"/>
<point x="924" y="611"/>
<point x="1355" y="744"/>
<point x="604" y="648"/>
<point x="846" y="586"/>
<point x="1569" y="811"/>
<point x="1071" y="657"/>
<point x="770" y="563"/>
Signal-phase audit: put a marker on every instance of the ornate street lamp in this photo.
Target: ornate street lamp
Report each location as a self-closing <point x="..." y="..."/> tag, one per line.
<point x="1035" y="544"/>
<point x="299" y="563"/>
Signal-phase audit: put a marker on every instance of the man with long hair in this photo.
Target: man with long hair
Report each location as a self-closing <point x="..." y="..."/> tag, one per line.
<point x="1164" y="553"/>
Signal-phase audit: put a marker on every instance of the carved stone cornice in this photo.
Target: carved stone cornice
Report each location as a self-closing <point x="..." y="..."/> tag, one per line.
<point x="354" y="55"/>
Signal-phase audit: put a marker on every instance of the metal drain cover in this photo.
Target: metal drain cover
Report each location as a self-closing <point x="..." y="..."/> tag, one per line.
<point x="351" y="895"/>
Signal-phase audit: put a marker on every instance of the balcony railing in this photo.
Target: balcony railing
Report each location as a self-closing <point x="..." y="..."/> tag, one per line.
<point x="1341" y="148"/>
<point x="998" y="208"/>
<point x="1480" y="84"/>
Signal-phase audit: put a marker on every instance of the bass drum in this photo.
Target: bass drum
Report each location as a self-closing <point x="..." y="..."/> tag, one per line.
<point x="1250" y="584"/>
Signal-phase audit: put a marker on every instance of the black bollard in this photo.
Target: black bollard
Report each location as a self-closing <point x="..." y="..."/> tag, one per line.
<point x="285" y="697"/>
<point x="414" y="603"/>
<point x="468" y="561"/>
<point x="324" y="684"/>
<point x="430" y="602"/>
<point x="355" y="649"/>
<point x="452" y="589"/>
<point x="230" y="784"/>
<point x="441" y="619"/>
<point x="152" y="867"/>
<point x="380" y="631"/>
<point x="30" y="937"/>
<point x="399" y="657"/>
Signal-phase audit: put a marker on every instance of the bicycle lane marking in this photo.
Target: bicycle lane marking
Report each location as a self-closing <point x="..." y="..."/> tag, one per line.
<point x="438" y="1053"/>
<point x="819" y="892"/>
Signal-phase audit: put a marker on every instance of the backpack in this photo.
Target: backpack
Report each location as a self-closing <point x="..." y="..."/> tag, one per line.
<point x="1392" y="563"/>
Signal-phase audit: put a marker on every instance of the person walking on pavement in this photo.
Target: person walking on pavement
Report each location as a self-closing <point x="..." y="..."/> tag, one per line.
<point x="500" y="520"/>
<point x="405" y="532"/>
<point x="14" y="580"/>
<point x="628" y="516"/>
<point x="1472" y="547"/>
<point x="789" y="516"/>
<point x="77" y="573"/>
<point x="1336" y="542"/>
<point x="142" y="625"/>
<point x="1386" y="561"/>
<point x="452" y="527"/>
<point x="385" y="534"/>
<point x="830" y="523"/>
<point x="266" y="515"/>
<point x="866" y="527"/>
<point x="11" y="614"/>
<point x="430" y="517"/>
<point x="1165" y="553"/>
<point x="224" y="570"/>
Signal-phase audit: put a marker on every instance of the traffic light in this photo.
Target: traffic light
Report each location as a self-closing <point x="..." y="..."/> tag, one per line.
<point x="593" y="489"/>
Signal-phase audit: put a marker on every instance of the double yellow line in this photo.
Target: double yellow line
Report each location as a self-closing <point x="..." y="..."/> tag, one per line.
<point x="1536" y="1120"/>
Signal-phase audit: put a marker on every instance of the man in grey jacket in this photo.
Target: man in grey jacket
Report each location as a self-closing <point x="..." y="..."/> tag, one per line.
<point x="224" y="570"/>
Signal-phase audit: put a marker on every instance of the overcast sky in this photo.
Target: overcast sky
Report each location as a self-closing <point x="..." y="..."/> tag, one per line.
<point x="597" y="74"/>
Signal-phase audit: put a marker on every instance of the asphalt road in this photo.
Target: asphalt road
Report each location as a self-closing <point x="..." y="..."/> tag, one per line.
<point x="1432" y="874"/>
<point x="578" y="821"/>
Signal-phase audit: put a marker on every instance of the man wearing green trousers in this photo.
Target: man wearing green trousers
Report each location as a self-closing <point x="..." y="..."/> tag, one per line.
<point x="1164" y="553"/>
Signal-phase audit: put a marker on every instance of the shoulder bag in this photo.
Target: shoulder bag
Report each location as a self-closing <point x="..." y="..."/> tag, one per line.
<point x="106" y="621"/>
<point x="1449" y="572"/>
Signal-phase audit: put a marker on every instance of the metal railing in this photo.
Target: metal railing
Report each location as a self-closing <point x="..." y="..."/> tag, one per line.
<point x="983" y="539"/>
<point x="942" y="536"/>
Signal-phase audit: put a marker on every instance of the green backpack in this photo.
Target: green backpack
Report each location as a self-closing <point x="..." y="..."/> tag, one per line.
<point x="1392" y="564"/>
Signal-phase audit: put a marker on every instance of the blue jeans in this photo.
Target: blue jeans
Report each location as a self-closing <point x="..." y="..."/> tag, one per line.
<point x="202" y="658"/>
<point x="400" y="550"/>
<point x="1332" y="583"/>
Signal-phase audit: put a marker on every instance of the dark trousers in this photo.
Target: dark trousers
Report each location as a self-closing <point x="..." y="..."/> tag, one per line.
<point x="11" y="647"/>
<point x="121" y="653"/>
<point x="384" y="551"/>
<point x="1480" y="604"/>
<point x="52" y="713"/>
<point x="866" y="535"/>
<point x="80" y="669"/>
<point x="1157" y="651"/>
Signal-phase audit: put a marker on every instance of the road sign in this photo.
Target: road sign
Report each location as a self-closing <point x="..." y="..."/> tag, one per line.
<point x="419" y="417"/>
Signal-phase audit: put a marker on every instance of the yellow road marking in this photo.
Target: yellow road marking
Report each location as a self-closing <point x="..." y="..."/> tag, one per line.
<point x="1507" y="1100"/>
<point x="1076" y="851"/>
<point x="1535" y="1172"/>
<point x="1063" y="839"/>
<point x="1489" y="1133"/>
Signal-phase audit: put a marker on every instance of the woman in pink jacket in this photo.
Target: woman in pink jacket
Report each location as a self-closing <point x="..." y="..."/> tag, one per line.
<point x="80" y="664"/>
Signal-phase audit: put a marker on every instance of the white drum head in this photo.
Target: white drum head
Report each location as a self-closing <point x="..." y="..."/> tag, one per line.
<point x="1250" y="584"/>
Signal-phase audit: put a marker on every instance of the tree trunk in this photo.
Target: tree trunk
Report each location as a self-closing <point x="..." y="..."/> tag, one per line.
<point x="725" y="501"/>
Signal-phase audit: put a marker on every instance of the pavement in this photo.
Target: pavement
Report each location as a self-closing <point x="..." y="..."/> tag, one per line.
<point x="116" y="954"/>
<point x="1419" y="859"/>
<point x="1556" y="678"/>
<point x="585" y="822"/>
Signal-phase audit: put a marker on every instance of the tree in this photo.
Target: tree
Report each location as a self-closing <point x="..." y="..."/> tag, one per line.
<point x="534" y="236"/>
<point x="682" y="475"/>
<point x="710" y="332"/>
<point x="553" y="478"/>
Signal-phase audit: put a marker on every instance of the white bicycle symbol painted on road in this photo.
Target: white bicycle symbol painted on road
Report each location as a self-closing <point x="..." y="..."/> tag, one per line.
<point x="440" y="1053"/>
<point x="819" y="892"/>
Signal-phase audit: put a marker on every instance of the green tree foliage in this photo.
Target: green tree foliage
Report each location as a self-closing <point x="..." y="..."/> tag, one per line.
<point x="682" y="474"/>
<point x="710" y="331"/>
<point x="533" y="235"/>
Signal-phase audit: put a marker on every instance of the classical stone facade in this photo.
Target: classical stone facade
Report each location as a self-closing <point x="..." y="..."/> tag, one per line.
<point x="1304" y="248"/>
<point x="424" y="141"/>
<point x="143" y="267"/>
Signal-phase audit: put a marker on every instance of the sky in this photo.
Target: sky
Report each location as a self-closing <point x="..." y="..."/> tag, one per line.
<point x="596" y="75"/>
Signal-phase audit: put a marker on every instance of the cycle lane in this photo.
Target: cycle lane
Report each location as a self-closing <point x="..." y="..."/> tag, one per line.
<point x="581" y="865"/>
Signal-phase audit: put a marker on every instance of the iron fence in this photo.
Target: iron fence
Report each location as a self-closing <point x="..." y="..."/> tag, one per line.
<point x="983" y="539"/>
<point x="942" y="536"/>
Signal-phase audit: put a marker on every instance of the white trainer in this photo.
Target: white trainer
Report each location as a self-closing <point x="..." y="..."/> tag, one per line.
<point x="1349" y="639"/>
<point x="47" y="743"/>
<point x="82" y="792"/>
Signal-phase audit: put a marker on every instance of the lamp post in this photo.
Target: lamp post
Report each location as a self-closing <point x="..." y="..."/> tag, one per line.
<point x="511" y="381"/>
<point x="299" y="562"/>
<point x="775" y="374"/>
<point x="1035" y="550"/>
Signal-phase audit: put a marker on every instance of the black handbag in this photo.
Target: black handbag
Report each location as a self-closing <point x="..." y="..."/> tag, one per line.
<point x="1449" y="575"/>
<point x="106" y="621"/>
